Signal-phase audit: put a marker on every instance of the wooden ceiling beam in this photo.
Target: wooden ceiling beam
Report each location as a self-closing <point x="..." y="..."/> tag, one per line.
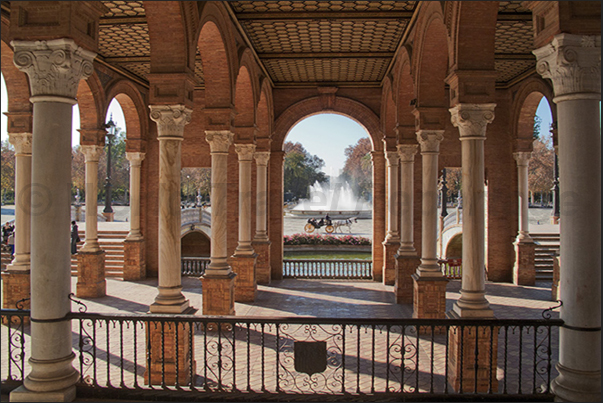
<point x="325" y="15"/>
<point x="327" y="55"/>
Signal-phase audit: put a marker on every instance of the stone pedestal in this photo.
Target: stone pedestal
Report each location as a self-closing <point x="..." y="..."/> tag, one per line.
<point x="15" y="287"/>
<point x="429" y="299"/>
<point x="390" y="248"/>
<point x="463" y="362"/>
<point x="135" y="267"/>
<point x="262" y="263"/>
<point x="524" y="271"/>
<point x="245" y="281"/>
<point x="91" y="275"/>
<point x="170" y="356"/>
<point x="218" y="295"/>
<point x="406" y="266"/>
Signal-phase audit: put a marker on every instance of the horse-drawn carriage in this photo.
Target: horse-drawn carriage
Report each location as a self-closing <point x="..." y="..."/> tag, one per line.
<point x="330" y="225"/>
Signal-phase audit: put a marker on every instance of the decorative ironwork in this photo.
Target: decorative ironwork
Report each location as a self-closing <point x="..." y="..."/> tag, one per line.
<point x="19" y="304"/>
<point x="83" y="308"/>
<point x="547" y="313"/>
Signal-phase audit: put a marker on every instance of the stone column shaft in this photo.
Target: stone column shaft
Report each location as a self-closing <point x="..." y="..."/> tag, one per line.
<point x="471" y="119"/>
<point x="573" y="63"/>
<point x="261" y="159"/>
<point x="170" y="120"/>
<point x="54" y="68"/>
<point x="523" y="159"/>
<point x="393" y="233"/>
<point x="135" y="159"/>
<point x="245" y="153"/>
<point x="407" y="160"/>
<point x="92" y="155"/>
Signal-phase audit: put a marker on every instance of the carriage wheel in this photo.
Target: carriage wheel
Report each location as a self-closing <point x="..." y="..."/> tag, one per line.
<point x="309" y="227"/>
<point x="329" y="229"/>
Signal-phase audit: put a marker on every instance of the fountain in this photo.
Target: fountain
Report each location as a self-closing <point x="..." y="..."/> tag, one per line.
<point x="336" y="199"/>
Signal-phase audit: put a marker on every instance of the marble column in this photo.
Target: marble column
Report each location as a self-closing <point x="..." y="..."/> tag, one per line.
<point x="218" y="280"/>
<point x="170" y="120"/>
<point x="91" y="258"/>
<point x="54" y="68"/>
<point x="524" y="271"/>
<point x="134" y="244"/>
<point x="429" y="283"/>
<point x="16" y="280"/>
<point x="243" y="260"/>
<point x="391" y="244"/>
<point x="407" y="260"/>
<point x="261" y="243"/>
<point x="471" y="120"/>
<point x="573" y="63"/>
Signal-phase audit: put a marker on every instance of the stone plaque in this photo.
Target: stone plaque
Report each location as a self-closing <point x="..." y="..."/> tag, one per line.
<point x="310" y="356"/>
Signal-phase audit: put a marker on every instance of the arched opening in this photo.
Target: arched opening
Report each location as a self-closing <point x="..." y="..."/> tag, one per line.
<point x="195" y="244"/>
<point x="541" y="169"/>
<point x="454" y="249"/>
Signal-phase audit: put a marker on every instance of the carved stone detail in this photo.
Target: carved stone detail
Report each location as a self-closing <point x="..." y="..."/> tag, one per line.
<point x="430" y="140"/>
<point x="472" y="119"/>
<point x="572" y="62"/>
<point x="21" y="142"/>
<point x="92" y="153"/>
<point x="54" y="67"/>
<point x="522" y="158"/>
<point x="392" y="157"/>
<point x="407" y="152"/>
<point x="262" y="157"/>
<point x="170" y="120"/>
<point x="219" y="140"/>
<point x="135" y="158"/>
<point x="245" y="151"/>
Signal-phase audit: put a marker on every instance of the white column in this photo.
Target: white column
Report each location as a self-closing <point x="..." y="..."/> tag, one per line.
<point x="170" y="120"/>
<point x="22" y="144"/>
<point x="430" y="150"/>
<point x="245" y="153"/>
<point x="393" y="233"/>
<point x="92" y="155"/>
<point x="54" y="69"/>
<point x="573" y="63"/>
<point x="472" y="119"/>
<point x="219" y="142"/>
<point x="407" y="160"/>
<point x="523" y="160"/>
<point x="261" y="206"/>
<point x="135" y="159"/>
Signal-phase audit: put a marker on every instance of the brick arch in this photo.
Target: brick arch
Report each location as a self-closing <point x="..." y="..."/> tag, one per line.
<point x="405" y="94"/>
<point x="524" y="108"/>
<point x="135" y="113"/>
<point x="388" y="116"/>
<point x="263" y="116"/>
<point x="90" y="100"/>
<point x="244" y="99"/>
<point x="315" y="105"/>
<point x="17" y="84"/>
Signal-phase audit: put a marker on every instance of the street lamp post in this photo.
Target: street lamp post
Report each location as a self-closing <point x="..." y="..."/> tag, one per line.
<point x="108" y="211"/>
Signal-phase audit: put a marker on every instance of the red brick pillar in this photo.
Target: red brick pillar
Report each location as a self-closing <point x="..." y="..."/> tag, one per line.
<point x="392" y="239"/>
<point x="170" y="357"/>
<point x="378" y="160"/>
<point x="135" y="267"/>
<point x="524" y="271"/>
<point x="275" y="185"/>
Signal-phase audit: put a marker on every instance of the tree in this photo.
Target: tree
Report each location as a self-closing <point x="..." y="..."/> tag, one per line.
<point x="193" y="180"/>
<point x="357" y="169"/>
<point x="302" y="170"/>
<point x="541" y="168"/>
<point x="8" y="171"/>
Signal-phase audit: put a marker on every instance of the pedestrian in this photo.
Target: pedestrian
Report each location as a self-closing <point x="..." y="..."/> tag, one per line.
<point x="5" y="233"/>
<point x="75" y="237"/>
<point x="11" y="243"/>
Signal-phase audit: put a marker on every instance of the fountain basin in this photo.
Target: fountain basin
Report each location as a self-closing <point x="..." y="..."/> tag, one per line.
<point x="334" y="214"/>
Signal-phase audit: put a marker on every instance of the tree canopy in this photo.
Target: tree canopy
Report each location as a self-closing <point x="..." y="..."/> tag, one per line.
<point x="357" y="170"/>
<point x="302" y="170"/>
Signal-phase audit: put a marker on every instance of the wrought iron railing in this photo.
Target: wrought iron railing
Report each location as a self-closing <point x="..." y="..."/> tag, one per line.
<point x="193" y="357"/>
<point x="193" y="266"/>
<point x="327" y="269"/>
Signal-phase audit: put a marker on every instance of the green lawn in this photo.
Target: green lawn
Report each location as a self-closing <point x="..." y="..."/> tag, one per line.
<point x="328" y="255"/>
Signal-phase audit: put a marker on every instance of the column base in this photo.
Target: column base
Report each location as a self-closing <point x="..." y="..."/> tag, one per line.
<point x="245" y="283"/>
<point x="429" y="299"/>
<point x="170" y="353"/>
<point x="262" y="263"/>
<point x="218" y="295"/>
<point x="524" y="271"/>
<point x="462" y="359"/>
<point x="91" y="274"/>
<point x="389" y="261"/>
<point x="576" y="386"/>
<point x="403" y="286"/>
<point x="21" y="394"/>
<point x="135" y="267"/>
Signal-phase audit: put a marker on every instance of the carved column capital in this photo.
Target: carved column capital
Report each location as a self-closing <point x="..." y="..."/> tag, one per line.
<point x="21" y="142"/>
<point x="573" y="63"/>
<point x="262" y="157"/>
<point x="135" y="158"/>
<point x="92" y="153"/>
<point x="430" y="140"/>
<point x="54" y="67"/>
<point x="407" y="152"/>
<point x="392" y="158"/>
<point x="522" y="157"/>
<point x="245" y="151"/>
<point x="472" y="119"/>
<point x="219" y="140"/>
<point x="170" y="120"/>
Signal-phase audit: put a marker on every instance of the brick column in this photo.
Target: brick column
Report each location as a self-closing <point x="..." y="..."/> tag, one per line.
<point x="524" y="271"/>
<point x="243" y="260"/>
<point x="378" y="160"/>
<point x="392" y="238"/>
<point x="261" y="243"/>
<point x="406" y="257"/>
<point x="134" y="244"/>
<point x="219" y="279"/>
<point x="429" y="284"/>
<point x="54" y="68"/>
<point x="16" y="280"/>
<point x="277" y="159"/>
<point x="573" y="63"/>
<point x="91" y="281"/>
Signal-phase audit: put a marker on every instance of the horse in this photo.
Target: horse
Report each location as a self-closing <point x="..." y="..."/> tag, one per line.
<point x="337" y="224"/>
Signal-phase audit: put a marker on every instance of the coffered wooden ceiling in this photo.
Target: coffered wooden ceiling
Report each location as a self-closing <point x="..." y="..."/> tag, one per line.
<point x="309" y="43"/>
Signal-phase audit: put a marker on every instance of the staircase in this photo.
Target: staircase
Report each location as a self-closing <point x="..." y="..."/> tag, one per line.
<point x="112" y="242"/>
<point x="547" y="244"/>
<point x="5" y="258"/>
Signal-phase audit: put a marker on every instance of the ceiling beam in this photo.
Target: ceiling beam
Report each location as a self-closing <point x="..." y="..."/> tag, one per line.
<point x="327" y="55"/>
<point x="514" y="56"/>
<point x="325" y="15"/>
<point x="514" y="17"/>
<point x="122" y="20"/>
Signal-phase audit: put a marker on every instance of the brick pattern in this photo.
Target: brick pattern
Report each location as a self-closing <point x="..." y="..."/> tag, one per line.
<point x="91" y="275"/>
<point x="135" y="267"/>
<point x="15" y="287"/>
<point x="429" y="299"/>
<point x="245" y="282"/>
<point x="169" y="353"/>
<point x="403" y="286"/>
<point x="218" y="295"/>
<point x="262" y="265"/>
<point x="524" y="271"/>
<point x="389" y="262"/>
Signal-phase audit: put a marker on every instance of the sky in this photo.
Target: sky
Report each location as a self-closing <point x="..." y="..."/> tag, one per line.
<point x="325" y="135"/>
